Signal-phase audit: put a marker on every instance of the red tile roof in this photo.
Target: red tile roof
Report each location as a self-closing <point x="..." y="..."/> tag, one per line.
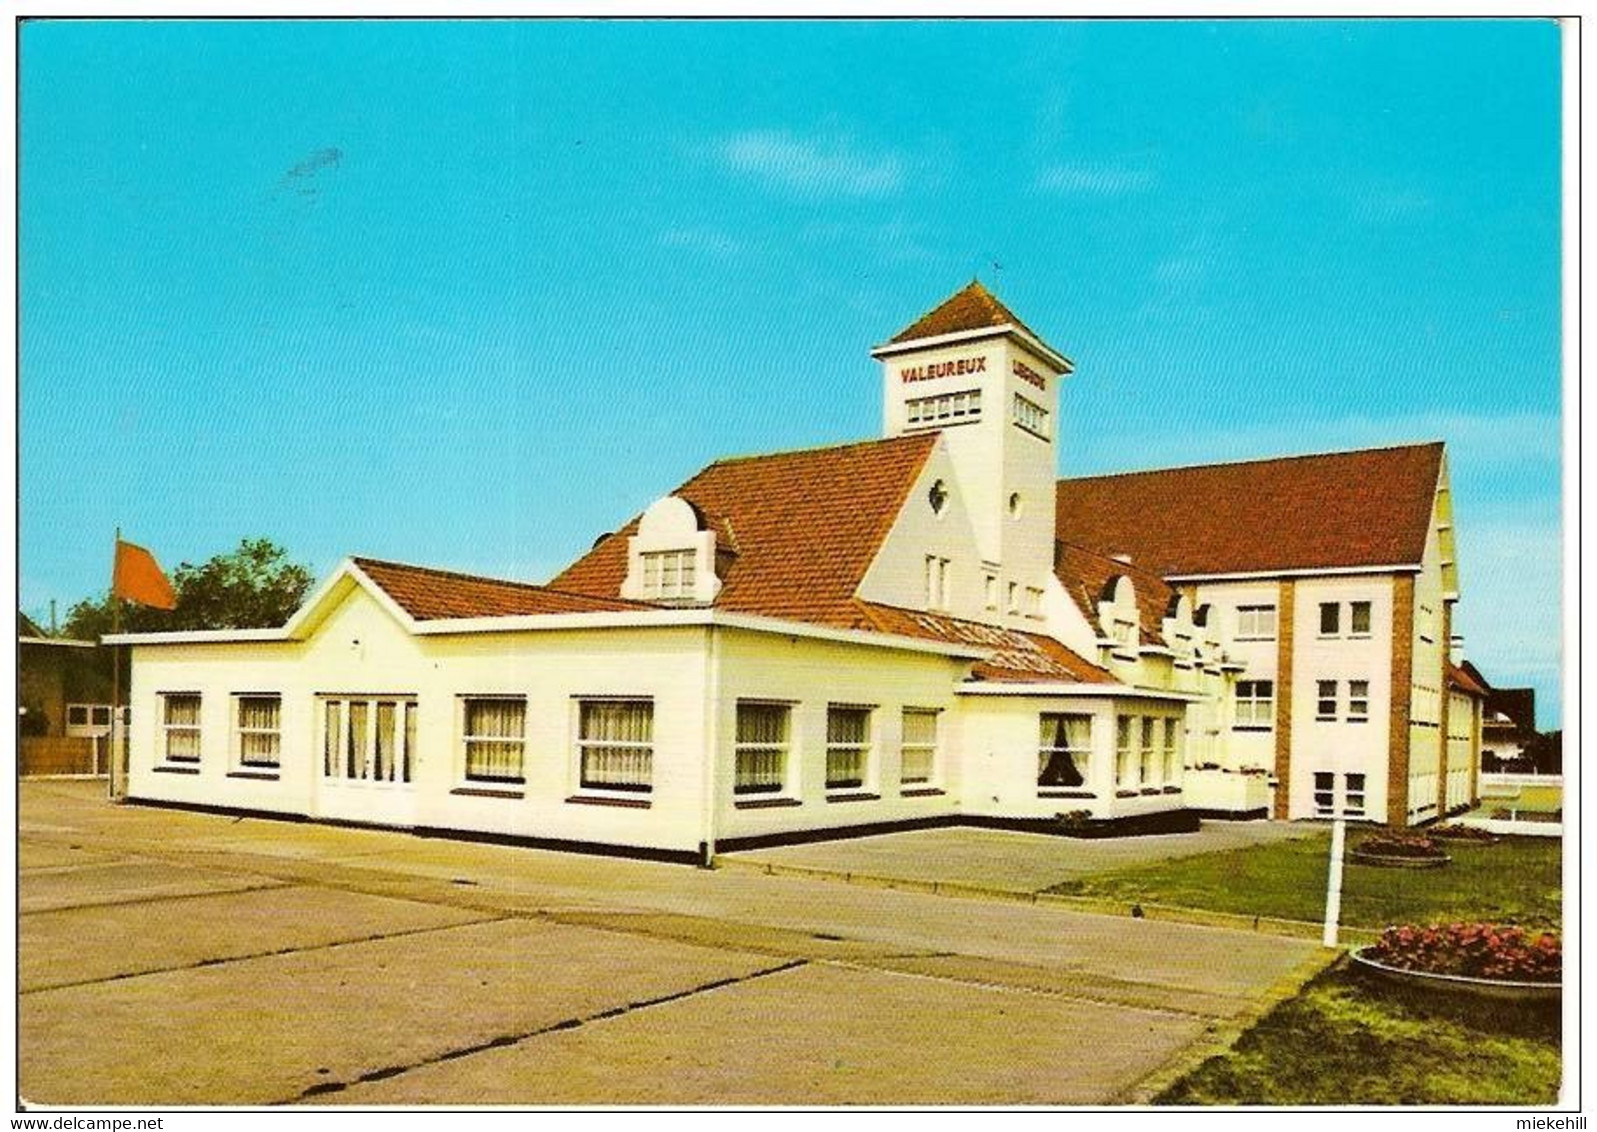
<point x="1365" y="508"/>
<point x="1463" y="681"/>
<point x="1086" y="575"/>
<point x="429" y="595"/>
<point x="973" y="308"/>
<point x="806" y="526"/>
<point x="1016" y="657"/>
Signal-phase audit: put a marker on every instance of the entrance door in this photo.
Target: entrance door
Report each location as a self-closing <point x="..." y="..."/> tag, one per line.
<point x="368" y="758"/>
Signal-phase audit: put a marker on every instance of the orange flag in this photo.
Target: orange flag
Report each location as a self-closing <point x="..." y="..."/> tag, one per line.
<point x="136" y="576"/>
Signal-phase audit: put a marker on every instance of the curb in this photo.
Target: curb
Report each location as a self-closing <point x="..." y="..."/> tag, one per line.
<point x="1091" y="905"/>
<point x="1225" y="1034"/>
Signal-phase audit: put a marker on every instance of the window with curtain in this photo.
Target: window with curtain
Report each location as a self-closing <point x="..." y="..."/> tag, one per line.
<point x="1360" y="618"/>
<point x="368" y="738"/>
<point x="847" y="747"/>
<point x="259" y="730"/>
<point x="1255" y="622"/>
<point x="180" y="719"/>
<point x="761" y="754"/>
<point x="495" y="735"/>
<point x="669" y="573"/>
<point x="1126" y="752"/>
<point x="615" y="744"/>
<point x="1152" y="748"/>
<point x="1173" y="739"/>
<point x="918" y="750"/>
<point x="1255" y="703"/>
<point x="1064" y="750"/>
<point x="1358" y="701"/>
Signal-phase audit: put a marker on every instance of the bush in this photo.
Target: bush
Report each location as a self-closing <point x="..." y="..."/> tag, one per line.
<point x="1478" y="951"/>
<point x="1400" y="845"/>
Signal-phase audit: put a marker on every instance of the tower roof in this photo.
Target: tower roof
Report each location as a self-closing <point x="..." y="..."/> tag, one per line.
<point x="971" y="308"/>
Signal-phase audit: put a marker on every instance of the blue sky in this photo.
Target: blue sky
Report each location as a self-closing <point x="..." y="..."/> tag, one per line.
<point x="470" y="295"/>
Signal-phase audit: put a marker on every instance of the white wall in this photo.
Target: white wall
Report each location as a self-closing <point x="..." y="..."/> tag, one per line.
<point x="361" y="649"/>
<point x="1337" y="745"/>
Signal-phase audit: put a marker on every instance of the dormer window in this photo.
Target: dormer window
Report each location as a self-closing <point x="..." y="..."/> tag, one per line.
<point x="672" y="558"/>
<point x="669" y="573"/>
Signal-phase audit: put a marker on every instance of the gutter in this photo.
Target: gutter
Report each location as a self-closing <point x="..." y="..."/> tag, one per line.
<point x="1118" y="691"/>
<point x="619" y="619"/>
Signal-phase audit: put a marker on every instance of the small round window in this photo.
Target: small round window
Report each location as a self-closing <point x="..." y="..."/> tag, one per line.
<point x="938" y="497"/>
<point x="1015" y="505"/>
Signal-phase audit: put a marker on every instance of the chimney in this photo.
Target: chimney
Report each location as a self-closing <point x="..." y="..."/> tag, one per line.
<point x="1455" y="649"/>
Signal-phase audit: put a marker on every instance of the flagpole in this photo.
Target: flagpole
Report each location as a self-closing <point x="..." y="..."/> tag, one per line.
<point x="116" y="677"/>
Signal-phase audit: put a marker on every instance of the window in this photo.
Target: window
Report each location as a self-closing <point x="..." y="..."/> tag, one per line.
<point x="1255" y="703"/>
<point x="1330" y="618"/>
<point x="1151" y="750"/>
<point x="1324" y="793"/>
<point x="1359" y="619"/>
<point x="1358" y="701"/>
<point x="1014" y="597"/>
<point x="936" y="582"/>
<point x="180" y="720"/>
<point x="257" y="728"/>
<point x="918" y="750"/>
<point x="1033" y="601"/>
<point x="1325" y="703"/>
<point x="937" y="497"/>
<point x="368" y="739"/>
<point x="1064" y="749"/>
<point x="77" y="715"/>
<point x="1172" y="752"/>
<point x="991" y="584"/>
<point x="1255" y="622"/>
<point x="494" y="730"/>
<point x="1355" y="795"/>
<point x="948" y="408"/>
<point x="1030" y="417"/>
<point x="1125" y="752"/>
<point x="761" y="757"/>
<point x="615" y="744"/>
<point x="848" y="747"/>
<point x="669" y="573"/>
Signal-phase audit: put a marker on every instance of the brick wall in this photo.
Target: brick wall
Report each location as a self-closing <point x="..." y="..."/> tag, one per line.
<point x="1402" y="699"/>
<point x="1283" y="701"/>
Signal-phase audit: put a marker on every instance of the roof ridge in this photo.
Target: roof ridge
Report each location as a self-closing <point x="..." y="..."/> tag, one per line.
<point x="1413" y="445"/>
<point x="437" y="572"/>
<point x="816" y="449"/>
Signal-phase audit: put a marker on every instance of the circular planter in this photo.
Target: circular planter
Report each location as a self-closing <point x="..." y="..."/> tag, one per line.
<point x="1481" y="988"/>
<point x="1384" y="862"/>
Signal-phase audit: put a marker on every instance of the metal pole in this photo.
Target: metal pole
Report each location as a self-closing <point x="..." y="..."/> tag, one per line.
<point x="116" y="679"/>
<point x="1333" y="883"/>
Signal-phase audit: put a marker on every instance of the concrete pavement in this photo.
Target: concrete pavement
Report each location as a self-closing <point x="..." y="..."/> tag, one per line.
<point x="180" y="958"/>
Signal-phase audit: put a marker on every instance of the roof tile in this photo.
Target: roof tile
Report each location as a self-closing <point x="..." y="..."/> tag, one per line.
<point x="1340" y="509"/>
<point x="806" y="526"/>
<point x="429" y="595"/>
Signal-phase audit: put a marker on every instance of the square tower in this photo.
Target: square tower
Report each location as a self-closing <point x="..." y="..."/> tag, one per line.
<point x="973" y="371"/>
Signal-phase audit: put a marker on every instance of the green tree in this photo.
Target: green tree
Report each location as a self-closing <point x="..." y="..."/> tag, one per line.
<point x="254" y="587"/>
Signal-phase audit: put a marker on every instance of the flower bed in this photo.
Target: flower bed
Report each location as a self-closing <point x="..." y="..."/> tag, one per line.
<point x="1483" y="958"/>
<point x="1399" y="850"/>
<point x="1465" y="833"/>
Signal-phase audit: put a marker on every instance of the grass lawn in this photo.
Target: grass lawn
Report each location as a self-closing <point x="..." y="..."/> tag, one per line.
<point x="1348" y="1039"/>
<point x="1516" y="881"/>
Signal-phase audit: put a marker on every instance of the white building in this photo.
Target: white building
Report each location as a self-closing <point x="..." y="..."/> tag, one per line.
<point x="927" y="628"/>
